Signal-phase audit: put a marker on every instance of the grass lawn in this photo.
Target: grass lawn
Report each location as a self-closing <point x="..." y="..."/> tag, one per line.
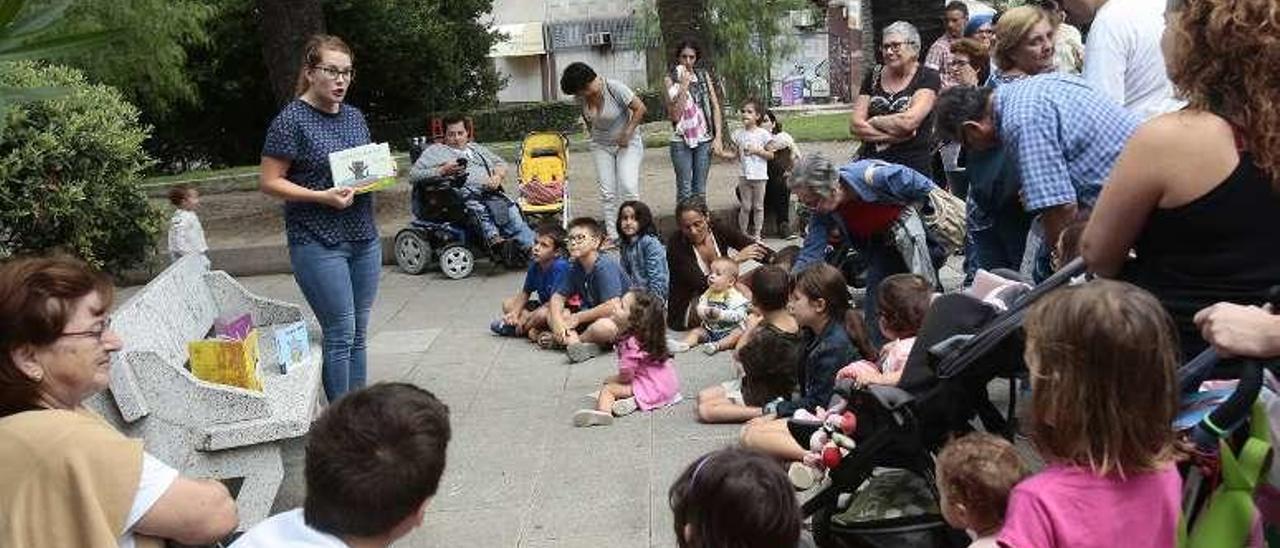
<point x="818" y="127"/>
<point x="805" y="127"/>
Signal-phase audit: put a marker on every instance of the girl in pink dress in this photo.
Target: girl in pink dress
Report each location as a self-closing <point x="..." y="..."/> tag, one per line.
<point x="646" y="376"/>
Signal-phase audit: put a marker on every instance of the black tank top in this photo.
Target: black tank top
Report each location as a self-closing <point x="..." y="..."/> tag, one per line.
<point x="1223" y="246"/>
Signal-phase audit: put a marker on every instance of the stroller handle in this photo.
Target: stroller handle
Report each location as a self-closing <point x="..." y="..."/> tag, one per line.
<point x="1232" y="412"/>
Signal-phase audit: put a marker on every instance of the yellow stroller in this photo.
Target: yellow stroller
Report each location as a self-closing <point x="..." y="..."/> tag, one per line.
<point x="543" y="181"/>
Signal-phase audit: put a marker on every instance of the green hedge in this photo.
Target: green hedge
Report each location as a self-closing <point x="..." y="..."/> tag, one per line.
<point x="71" y="169"/>
<point x="511" y="122"/>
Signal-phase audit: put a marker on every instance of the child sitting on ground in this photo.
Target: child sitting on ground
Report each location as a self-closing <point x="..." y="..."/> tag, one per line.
<point x="186" y="235"/>
<point x="819" y="300"/>
<point x="735" y="497"/>
<point x="644" y="258"/>
<point x="646" y="376"/>
<point x="975" y="474"/>
<point x="522" y="315"/>
<point x="902" y="301"/>
<point x="723" y="310"/>
<point x="598" y="280"/>
<point x="769" y="352"/>
<point x="1102" y="357"/>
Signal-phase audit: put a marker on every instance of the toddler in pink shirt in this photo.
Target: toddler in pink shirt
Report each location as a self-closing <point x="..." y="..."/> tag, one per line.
<point x="1103" y="357"/>
<point x="646" y="377"/>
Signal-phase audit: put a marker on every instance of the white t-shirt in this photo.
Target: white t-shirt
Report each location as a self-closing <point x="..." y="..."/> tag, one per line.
<point x="1122" y="57"/>
<point x="155" y="479"/>
<point x="754" y="168"/>
<point x="286" y="529"/>
<point x="186" y="236"/>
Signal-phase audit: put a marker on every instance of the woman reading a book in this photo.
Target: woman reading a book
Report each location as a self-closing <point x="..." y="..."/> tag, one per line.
<point x="67" y="478"/>
<point x="333" y="239"/>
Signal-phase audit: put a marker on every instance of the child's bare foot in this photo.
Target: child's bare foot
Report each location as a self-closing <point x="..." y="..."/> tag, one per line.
<point x="677" y="346"/>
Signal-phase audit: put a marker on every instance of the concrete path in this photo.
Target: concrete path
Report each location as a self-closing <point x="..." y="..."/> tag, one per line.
<point x="519" y="474"/>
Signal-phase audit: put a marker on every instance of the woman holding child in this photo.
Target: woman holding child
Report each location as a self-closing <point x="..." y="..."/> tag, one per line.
<point x="333" y="239"/>
<point x="690" y="252"/>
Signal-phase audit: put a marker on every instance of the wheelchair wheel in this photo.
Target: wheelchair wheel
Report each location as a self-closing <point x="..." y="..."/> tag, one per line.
<point x="413" y="251"/>
<point x="456" y="261"/>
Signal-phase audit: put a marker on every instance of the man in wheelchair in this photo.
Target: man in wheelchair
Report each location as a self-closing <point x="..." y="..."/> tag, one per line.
<point x="497" y="216"/>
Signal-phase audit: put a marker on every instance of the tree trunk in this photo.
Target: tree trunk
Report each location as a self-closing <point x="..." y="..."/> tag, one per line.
<point x="285" y="26"/>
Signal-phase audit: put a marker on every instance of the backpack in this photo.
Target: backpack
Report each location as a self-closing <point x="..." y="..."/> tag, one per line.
<point x="946" y="219"/>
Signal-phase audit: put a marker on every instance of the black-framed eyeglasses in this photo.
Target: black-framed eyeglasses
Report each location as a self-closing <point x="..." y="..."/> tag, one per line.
<point x="97" y="332"/>
<point x="576" y="238"/>
<point x="334" y="72"/>
<point x="893" y="46"/>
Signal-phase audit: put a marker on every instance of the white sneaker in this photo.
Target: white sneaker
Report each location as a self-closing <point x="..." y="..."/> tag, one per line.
<point x="677" y="346"/>
<point x="592" y="396"/>
<point x="709" y="349"/>
<point x="591" y="417"/>
<point x="624" y="407"/>
<point x="803" y="476"/>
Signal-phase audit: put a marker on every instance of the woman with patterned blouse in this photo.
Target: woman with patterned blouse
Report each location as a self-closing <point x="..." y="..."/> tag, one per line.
<point x="333" y="240"/>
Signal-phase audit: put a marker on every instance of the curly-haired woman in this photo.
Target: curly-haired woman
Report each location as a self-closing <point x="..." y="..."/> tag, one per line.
<point x="1195" y="192"/>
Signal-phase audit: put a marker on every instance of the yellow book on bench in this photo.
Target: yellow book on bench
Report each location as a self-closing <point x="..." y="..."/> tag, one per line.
<point x="227" y="361"/>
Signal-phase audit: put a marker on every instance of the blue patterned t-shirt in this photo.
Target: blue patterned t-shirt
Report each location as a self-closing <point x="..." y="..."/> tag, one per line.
<point x="305" y="136"/>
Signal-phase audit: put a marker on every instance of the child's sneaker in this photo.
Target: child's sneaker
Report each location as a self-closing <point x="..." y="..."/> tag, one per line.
<point x="591" y="417"/>
<point x="502" y="329"/>
<point x="624" y="407"/>
<point x="803" y="476"/>
<point x="709" y="349"/>
<point x="677" y="346"/>
<point x="581" y="352"/>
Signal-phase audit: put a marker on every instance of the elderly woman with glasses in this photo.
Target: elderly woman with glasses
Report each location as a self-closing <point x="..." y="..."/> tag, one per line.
<point x="893" y="114"/>
<point x="67" y="478"/>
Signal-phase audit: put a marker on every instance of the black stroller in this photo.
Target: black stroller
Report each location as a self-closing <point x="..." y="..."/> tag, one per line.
<point x="962" y="346"/>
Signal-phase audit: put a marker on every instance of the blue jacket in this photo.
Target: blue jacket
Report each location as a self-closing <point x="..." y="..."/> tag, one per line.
<point x="890" y="184"/>
<point x="645" y="261"/>
<point x="825" y="354"/>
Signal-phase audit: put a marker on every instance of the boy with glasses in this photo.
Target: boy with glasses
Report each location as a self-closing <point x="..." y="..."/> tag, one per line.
<point x="600" y="282"/>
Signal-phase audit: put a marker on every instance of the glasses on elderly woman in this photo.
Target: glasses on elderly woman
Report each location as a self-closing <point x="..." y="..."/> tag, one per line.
<point x="894" y="46"/>
<point x="97" y="332"/>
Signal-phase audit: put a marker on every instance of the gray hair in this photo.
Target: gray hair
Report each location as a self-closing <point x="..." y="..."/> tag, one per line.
<point x="816" y="174"/>
<point x="906" y="30"/>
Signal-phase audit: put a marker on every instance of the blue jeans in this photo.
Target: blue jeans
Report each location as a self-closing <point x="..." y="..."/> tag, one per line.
<point x="691" y="165"/>
<point x="339" y="283"/>
<point x="1002" y="245"/>
<point x="883" y="260"/>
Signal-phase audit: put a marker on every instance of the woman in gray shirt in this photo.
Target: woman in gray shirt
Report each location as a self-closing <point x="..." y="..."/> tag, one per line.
<point x="612" y="112"/>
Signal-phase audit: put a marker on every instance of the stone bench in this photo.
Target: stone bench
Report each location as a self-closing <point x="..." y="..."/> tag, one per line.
<point x="208" y="430"/>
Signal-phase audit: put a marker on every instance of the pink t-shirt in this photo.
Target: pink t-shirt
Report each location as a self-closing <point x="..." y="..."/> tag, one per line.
<point x="1070" y="506"/>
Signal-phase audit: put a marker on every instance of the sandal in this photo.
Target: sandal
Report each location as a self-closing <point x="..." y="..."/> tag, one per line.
<point x="545" y="341"/>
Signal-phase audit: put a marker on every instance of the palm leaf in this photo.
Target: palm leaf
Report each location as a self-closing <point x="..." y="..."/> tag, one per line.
<point x="34" y="23"/>
<point x="54" y="46"/>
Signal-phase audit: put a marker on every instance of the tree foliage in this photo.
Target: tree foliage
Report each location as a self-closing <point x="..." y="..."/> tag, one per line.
<point x="71" y="168"/>
<point x="148" y="58"/>
<point x="415" y="57"/>
<point x="749" y="35"/>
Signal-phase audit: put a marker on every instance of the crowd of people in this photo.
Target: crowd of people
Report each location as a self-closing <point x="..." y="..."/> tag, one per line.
<point x="1150" y="151"/>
